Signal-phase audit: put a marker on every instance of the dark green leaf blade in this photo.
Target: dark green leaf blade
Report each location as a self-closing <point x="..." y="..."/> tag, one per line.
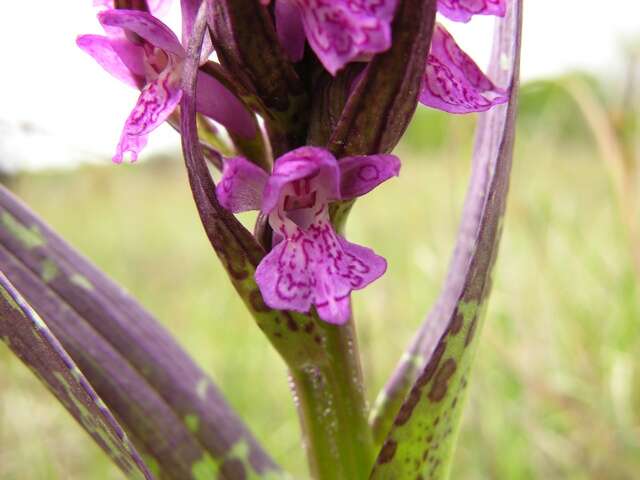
<point x="169" y="407"/>
<point x="24" y="332"/>
<point x="422" y="439"/>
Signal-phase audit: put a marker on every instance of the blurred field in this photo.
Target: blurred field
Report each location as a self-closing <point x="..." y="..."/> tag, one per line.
<point x="556" y="388"/>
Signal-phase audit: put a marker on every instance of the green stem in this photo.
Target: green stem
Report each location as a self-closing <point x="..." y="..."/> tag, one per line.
<point x="333" y="411"/>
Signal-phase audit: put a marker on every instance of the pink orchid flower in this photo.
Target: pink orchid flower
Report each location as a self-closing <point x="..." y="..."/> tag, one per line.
<point x="338" y="31"/>
<point x="143" y="52"/>
<point x="310" y="264"/>
<point x="452" y="81"/>
<point x="341" y="31"/>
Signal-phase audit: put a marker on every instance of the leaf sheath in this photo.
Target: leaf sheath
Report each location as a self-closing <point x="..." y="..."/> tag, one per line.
<point x="422" y="438"/>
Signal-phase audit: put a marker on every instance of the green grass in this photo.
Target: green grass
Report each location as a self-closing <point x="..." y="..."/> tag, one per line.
<point x="555" y="391"/>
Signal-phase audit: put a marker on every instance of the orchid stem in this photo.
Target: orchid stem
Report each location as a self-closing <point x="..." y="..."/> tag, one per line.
<point x="331" y="402"/>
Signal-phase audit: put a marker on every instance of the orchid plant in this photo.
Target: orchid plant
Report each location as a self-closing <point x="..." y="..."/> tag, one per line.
<point x="297" y="104"/>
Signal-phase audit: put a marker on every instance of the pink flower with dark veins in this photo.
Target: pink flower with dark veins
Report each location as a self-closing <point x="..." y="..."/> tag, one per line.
<point x="143" y="52"/>
<point x="338" y="31"/>
<point x="341" y="31"/>
<point x="310" y="264"/>
<point x="453" y="82"/>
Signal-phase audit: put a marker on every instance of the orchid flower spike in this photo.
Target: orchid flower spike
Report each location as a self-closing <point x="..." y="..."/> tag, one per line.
<point x="310" y="264"/>
<point x="143" y="52"/>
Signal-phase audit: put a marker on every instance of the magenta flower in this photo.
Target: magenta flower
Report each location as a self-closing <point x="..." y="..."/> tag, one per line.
<point x="310" y="264"/>
<point x="338" y="31"/>
<point x="453" y="82"/>
<point x="343" y="31"/>
<point x="143" y="52"/>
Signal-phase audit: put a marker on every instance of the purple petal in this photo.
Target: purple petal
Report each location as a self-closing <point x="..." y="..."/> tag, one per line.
<point x="360" y="175"/>
<point x="156" y="102"/>
<point x="102" y="51"/>
<point x="290" y="29"/>
<point x="453" y="82"/>
<point x="284" y="276"/>
<point x="342" y="267"/>
<point x="147" y="26"/>
<point x="301" y="163"/>
<point x="463" y="10"/>
<point x="215" y="101"/>
<point x="345" y="30"/>
<point x="241" y="186"/>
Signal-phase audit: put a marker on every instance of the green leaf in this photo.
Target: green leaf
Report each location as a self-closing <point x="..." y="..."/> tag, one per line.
<point x="149" y="382"/>
<point x="30" y="339"/>
<point x="421" y="441"/>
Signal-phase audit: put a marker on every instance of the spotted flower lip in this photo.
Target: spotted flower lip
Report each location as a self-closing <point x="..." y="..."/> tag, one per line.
<point x="152" y="62"/>
<point x="310" y="264"/>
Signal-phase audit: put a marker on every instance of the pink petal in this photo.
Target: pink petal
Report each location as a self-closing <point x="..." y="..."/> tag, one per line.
<point x="241" y="186"/>
<point x="286" y="277"/>
<point x="341" y="31"/>
<point x="101" y="49"/>
<point x="341" y="268"/>
<point x="146" y="25"/>
<point x="463" y="10"/>
<point x="156" y="102"/>
<point x="453" y="82"/>
<point x="301" y="163"/>
<point x="131" y="54"/>
<point x="215" y="101"/>
<point x="360" y="175"/>
<point x="290" y="29"/>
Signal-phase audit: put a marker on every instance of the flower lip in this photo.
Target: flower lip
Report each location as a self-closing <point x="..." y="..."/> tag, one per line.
<point x="310" y="263"/>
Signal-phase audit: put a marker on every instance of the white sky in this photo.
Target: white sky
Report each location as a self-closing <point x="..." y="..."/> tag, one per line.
<point x="73" y="111"/>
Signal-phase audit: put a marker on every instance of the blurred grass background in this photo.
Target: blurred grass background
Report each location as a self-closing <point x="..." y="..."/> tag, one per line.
<point x="556" y="388"/>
